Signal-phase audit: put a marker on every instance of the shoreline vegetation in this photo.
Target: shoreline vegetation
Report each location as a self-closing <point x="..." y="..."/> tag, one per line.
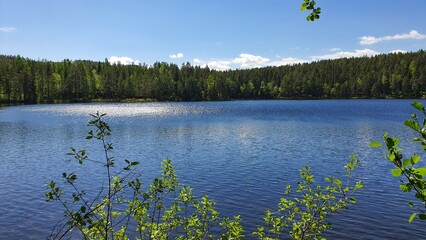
<point x="394" y="75"/>
<point x="150" y="100"/>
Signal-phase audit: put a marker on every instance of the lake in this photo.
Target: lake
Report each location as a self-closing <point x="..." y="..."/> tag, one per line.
<point x="242" y="153"/>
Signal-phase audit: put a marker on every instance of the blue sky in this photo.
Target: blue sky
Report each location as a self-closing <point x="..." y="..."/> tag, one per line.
<point x="223" y="34"/>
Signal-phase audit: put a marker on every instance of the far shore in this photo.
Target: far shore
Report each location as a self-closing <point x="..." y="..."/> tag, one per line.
<point x="147" y="100"/>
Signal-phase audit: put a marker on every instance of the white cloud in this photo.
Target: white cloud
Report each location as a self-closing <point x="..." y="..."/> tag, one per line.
<point x="286" y="61"/>
<point x="335" y="49"/>
<point x="122" y="60"/>
<point x="342" y="54"/>
<point x="7" y="29"/>
<point x="398" y="51"/>
<point x="369" y="40"/>
<point x="246" y="60"/>
<point x="176" y="56"/>
<point x="219" y="65"/>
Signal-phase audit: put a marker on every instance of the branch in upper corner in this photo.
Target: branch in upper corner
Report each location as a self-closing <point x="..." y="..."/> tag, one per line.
<point x="310" y="6"/>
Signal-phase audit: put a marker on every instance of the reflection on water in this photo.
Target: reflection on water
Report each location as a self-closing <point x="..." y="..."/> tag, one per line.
<point x="241" y="153"/>
<point x="122" y="109"/>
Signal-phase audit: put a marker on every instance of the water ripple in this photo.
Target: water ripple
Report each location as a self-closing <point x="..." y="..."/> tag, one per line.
<point x="241" y="153"/>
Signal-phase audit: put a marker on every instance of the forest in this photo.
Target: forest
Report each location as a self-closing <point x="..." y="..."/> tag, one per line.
<point x="394" y="75"/>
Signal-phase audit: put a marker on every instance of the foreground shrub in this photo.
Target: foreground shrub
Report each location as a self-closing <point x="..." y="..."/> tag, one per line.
<point x="413" y="177"/>
<point x="166" y="209"/>
<point x="305" y="216"/>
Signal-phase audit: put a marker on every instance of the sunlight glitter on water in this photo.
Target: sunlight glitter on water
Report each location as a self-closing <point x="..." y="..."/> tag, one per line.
<point x="124" y="109"/>
<point x="241" y="153"/>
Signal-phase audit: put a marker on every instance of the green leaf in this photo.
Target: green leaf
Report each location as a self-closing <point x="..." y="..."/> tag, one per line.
<point x="73" y="177"/>
<point x="358" y="185"/>
<point x="422" y="216"/>
<point x="396" y="172"/>
<point x="412" y="217"/>
<point x="415" y="159"/>
<point x="412" y="124"/>
<point x="405" y="187"/>
<point x="418" y="106"/>
<point x="392" y="142"/>
<point x="406" y="162"/>
<point x="375" y="144"/>
<point x="421" y="171"/>
<point x="303" y="7"/>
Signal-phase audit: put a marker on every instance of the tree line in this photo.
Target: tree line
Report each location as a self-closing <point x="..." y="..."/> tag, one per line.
<point x="395" y="75"/>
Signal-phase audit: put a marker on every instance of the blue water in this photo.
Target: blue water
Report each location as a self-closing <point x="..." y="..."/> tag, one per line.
<point x="241" y="153"/>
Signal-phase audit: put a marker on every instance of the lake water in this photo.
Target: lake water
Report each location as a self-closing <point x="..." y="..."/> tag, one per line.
<point x="242" y="153"/>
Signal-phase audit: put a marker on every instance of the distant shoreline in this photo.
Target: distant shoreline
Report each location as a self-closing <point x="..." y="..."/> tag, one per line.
<point x="398" y="76"/>
<point x="150" y="100"/>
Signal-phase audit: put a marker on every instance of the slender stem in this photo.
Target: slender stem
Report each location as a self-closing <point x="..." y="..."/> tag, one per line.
<point x="414" y="186"/>
<point x="153" y="215"/>
<point x="108" y="166"/>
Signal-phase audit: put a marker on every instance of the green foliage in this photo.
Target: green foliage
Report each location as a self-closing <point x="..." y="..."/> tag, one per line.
<point x="314" y="11"/>
<point x="381" y="76"/>
<point x="165" y="209"/>
<point x="156" y="211"/>
<point x="305" y="215"/>
<point x="413" y="176"/>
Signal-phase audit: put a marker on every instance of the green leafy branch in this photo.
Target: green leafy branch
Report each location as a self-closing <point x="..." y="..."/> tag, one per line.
<point x="414" y="177"/>
<point x="309" y="5"/>
<point x="305" y="215"/>
<point x="149" y="208"/>
<point x="167" y="209"/>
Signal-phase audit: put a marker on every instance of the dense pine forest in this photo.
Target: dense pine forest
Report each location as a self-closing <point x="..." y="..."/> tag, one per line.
<point x="396" y="75"/>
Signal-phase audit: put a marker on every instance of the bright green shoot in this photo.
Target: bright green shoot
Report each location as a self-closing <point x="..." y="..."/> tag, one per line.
<point x="412" y="176"/>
